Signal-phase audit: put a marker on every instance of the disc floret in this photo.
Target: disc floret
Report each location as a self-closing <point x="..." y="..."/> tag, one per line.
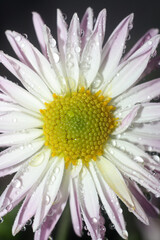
<point x="78" y="125"/>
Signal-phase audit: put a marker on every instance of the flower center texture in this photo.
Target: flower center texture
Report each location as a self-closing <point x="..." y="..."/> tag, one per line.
<point x="78" y="125"/>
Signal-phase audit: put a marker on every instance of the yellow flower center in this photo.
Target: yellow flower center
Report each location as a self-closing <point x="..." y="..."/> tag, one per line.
<point x="77" y="126"/>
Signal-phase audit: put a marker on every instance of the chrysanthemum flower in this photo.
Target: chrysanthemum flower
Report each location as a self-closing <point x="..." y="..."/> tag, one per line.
<point x="80" y="129"/>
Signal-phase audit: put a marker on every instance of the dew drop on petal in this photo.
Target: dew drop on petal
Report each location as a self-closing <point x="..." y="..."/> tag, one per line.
<point x="156" y="158"/>
<point x="1" y="220"/>
<point x="23" y="229"/>
<point x="77" y="49"/>
<point x="29" y="222"/>
<point x="17" y="183"/>
<point x="94" y="220"/>
<point x="50" y="238"/>
<point x="111" y="226"/>
<point x="18" y="38"/>
<point x="138" y="159"/>
<point x="47" y="199"/>
<point x="56" y="170"/>
<point x="125" y="233"/>
<point x="56" y="57"/>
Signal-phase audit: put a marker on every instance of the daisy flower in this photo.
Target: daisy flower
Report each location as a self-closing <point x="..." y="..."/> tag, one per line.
<point x="80" y="128"/>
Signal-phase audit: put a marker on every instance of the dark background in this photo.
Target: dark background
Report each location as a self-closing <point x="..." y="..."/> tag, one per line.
<point x="16" y="15"/>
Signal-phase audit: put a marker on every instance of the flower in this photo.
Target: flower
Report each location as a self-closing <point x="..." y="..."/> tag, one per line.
<point x="80" y="128"/>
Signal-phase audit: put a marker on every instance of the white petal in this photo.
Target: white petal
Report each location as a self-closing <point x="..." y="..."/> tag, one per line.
<point x="75" y="209"/>
<point x="28" y="77"/>
<point x="109" y="200"/>
<point x="128" y="72"/>
<point x="91" y="55"/>
<point x="114" y="179"/>
<point x="15" y="121"/>
<point x="149" y="112"/>
<point x="52" y="185"/>
<point x="113" y="49"/>
<point x="19" y="137"/>
<point x="14" y="155"/>
<point x="144" y="92"/>
<point x="132" y="169"/>
<point x="38" y="25"/>
<point x="25" y="178"/>
<point x="73" y="52"/>
<point x="20" y="95"/>
<point x="89" y="203"/>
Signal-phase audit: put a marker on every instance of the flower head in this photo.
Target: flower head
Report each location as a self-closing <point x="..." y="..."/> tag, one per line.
<point x="81" y="128"/>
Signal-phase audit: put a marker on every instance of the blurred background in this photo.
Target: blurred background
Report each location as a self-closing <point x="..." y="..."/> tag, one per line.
<point x="16" y="15"/>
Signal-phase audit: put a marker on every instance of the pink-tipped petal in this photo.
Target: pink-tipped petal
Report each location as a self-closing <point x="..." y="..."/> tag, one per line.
<point x="109" y="201"/>
<point x="25" y="179"/>
<point x="149" y="112"/>
<point x="18" y="121"/>
<point x="148" y="207"/>
<point x="52" y="185"/>
<point x="9" y="139"/>
<point x="20" y="95"/>
<point x="133" y="169"/>
<point x="16" y="154"/>
<point x="113" y="49"/>
<point x="72" y="54"/>
<point x="127" y="121"/>
<point x="141" y="93"/>
<point x="86" y="27"/>
<point x="27" y="76"/>
<point x="38" y="25"/>
<point x="147" y="36"/>
<point x="75" y="209"/>
<point x="89" y="203"/>
<point x="91" y="55"/>
<point x="55" y="211"/>
<point x="36" y="60"/>
<point x="128" y="72"/>
<point x="61" y="34"/>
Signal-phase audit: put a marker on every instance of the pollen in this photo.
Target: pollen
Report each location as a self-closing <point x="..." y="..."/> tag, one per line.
<point x="78" y="125"/>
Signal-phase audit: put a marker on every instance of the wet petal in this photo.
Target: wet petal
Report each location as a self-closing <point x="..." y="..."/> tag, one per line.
<point x="86" y="26"/>
<point x="38" y="25"/>
<point x="75" y="209"/>
<point x="129" y="71"/>
<point x="109" y="201"/>
<point x="15" y="121"/>
<point x="52" y="185"/>
<point x="113" y="49"/>
<point x="91" y="55"/>
<point x="27" y="76"/>
<point x="114" y="179"/>
<point x="20" y="95"/>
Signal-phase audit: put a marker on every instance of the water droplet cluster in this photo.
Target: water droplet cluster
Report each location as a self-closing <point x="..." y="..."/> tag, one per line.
<point x="78" y="125"/>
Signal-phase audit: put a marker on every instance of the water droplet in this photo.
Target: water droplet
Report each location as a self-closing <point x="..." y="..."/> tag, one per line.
<point x="17" y="183"/>
<point x="156" y="158"/>
<point x="111" y="226"/>
<point x="85" y="228"/>
<point x="56" y="170"/>
<point x="120" y="210"/>
<point x="56" y="57"/>
<point x="47" y="199"/>
<point x="18" y="38"/>
<point x="88" y="233"/>
<point x="150" y="42"/>
<point x="94" y="220"/>
<point x="37" y="160"/>
<point x="50" y="238"/>
<point x="82" y="33"/>
<point x="64" y="16"/>
<point x="1" y="220"/>
<point x="150" y="149"/>
<point x="125" y="233"/>
<point x="14" y="120"/>
<point x="52" y="42"/>
<point x="69" y="64"/>
<point x="29" y="222"/>
<point x="77" y="49"/>
<point x="138" y="159"/>
<point x="22" y="45"/>
<point x="23" y="229"/>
